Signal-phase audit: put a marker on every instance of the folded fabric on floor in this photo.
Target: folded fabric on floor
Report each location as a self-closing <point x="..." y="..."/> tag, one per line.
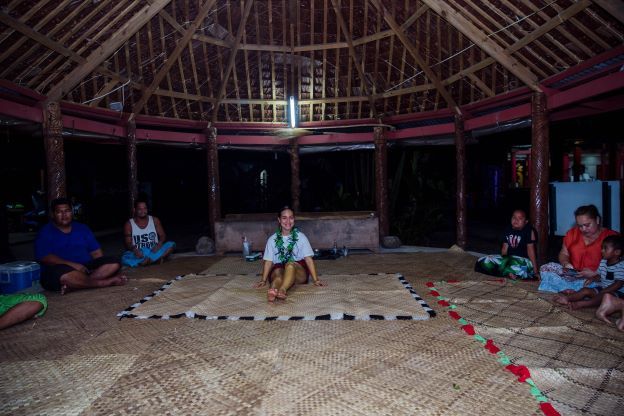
<point x="347" y="296"/>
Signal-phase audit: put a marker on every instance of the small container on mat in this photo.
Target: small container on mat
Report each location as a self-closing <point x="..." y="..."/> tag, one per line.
<point x="18" y="276"/>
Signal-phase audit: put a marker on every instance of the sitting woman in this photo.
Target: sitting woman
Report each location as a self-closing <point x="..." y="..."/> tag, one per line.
<point x="287" y="258"/>
<point x="517" y="258"/>
<point x="580" y="253"/>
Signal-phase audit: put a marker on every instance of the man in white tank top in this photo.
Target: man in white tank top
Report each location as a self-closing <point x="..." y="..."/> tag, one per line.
<point x="145" y="238"/>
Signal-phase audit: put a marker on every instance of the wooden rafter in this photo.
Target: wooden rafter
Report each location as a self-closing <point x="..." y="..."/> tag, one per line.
<point x="51" y="67"/>
<point x="101" y="53"/>
<point x="614" y="8"/>
<point x="570" y="37"/>
<point x="396" y="28"/>
<point x="173" y="57"/>
<point x="479" y="20"/>
<point x="9" y="51"/>
<point x="353" y="54"/>
<point x="232" y="59"/>
<point x="546" y="27"/>
<point x="55" y="46"/>
<point x="478" y="37"/>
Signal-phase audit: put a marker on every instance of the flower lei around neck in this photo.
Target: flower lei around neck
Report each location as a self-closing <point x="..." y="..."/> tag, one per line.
<point x="285" y="254"/>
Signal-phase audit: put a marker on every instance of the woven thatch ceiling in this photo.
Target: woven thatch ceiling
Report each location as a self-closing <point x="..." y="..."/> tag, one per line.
<point x="342" y="59"/>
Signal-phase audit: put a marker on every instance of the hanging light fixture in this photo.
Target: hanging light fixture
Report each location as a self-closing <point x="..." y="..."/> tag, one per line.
<point x="292" y="107"/>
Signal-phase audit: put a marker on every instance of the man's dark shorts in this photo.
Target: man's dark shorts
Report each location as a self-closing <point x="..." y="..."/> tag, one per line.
<point x="51" y="275"/>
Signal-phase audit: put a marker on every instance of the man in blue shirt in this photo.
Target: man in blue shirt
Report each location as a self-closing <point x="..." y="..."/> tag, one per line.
<point x="70" y="256"/>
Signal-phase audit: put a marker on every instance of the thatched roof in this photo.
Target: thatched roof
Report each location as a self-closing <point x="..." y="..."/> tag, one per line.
<point x="343" y="59"/>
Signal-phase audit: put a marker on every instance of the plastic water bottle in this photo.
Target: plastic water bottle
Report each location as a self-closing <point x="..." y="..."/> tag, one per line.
<point x="246" y="247"/>
<point x="335" y="248"/>
<point x="345" y="251"/>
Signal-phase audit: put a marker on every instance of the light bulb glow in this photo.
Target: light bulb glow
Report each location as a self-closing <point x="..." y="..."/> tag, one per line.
<point x="291" y="101"/>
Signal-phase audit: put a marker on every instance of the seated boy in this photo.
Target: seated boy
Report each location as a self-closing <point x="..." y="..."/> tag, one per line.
<point x="610" y="275"/>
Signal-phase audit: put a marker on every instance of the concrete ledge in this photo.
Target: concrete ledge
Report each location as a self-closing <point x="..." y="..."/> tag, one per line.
<point x="357" y="230"/>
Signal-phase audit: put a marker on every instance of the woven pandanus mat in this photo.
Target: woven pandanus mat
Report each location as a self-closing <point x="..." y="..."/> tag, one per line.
<point x="578" y="364"/>
<point x="357" y="296"/>
<point x="586" y="391"/>
<point x="58" y="387"/>
<point x="316" y="368"/>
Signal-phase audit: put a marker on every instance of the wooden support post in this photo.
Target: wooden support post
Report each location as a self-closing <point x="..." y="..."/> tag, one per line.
<point x="381" y="181"/>
<point x="295" y="180"/>
<point x="540" y="155"/>
<point x="460" y="158"/>
<point x="133" y="182"/>
<point x="55" y="155"/>
<point x="214" y="193"/>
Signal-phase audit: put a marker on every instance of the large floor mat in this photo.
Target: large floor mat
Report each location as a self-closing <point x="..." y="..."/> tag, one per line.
<point x="355" y="297"/>
<point x="580" y="370"/>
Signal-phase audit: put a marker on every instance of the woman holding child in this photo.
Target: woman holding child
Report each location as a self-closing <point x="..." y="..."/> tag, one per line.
<point x="580" y="253"/>
<point x="287" y="258"/>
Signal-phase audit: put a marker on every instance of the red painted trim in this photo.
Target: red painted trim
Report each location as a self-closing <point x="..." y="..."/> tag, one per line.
<point x="101" y="114"/>
<point x="573" y="102"/>
<point x="250" y="140"/>
<point x="91" y="126"/>
<point x="585" y="64"/>
<point x="169" y="136"/>
<point x="337" y="138"/>
<point x="21" y="111"/>
<point x="519" y="112"/>
<point x="424" y="131"/>
<point x="427" y="115"/>
<point x="589" y="108"/>
<point x="606" y="84"/>
<point x="519" y="95"/>
<point x="144" y="120"/>
<point x="21" y="90"/>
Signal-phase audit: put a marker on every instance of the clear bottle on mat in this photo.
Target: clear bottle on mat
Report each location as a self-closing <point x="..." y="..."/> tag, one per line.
<point x="335" y="248"/>
<point x="246" y="247"/>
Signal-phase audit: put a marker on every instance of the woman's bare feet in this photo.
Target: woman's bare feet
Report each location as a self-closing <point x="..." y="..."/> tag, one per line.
<point x="620" y="324"/>
<point x="271" y="295"/>
<point x="281" y="295"/>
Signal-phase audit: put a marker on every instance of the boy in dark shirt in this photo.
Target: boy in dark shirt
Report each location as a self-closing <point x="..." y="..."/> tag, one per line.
<point x="517" y="259"/>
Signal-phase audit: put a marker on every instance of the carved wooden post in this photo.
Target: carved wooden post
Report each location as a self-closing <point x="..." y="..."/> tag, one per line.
<point x="540" y="155"/>
<point x="133" y="182"/>
<point x="381" y="181"/>
<point x="460" y="158"/>
<point x="295" y="181"/>
<point x="214" y="193"/>
<point x="55" y="155"/>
